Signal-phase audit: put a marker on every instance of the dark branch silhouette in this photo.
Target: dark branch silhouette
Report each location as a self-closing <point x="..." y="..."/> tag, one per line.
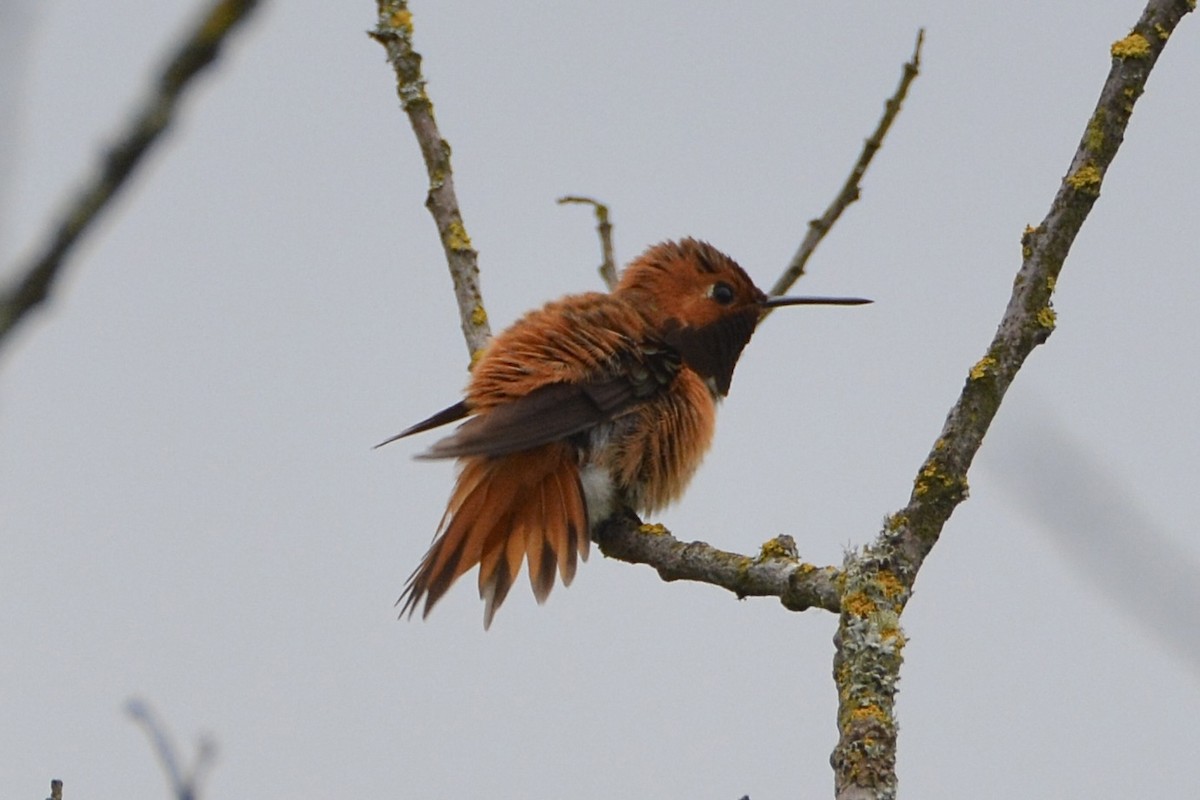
<point x="198" y="48"/>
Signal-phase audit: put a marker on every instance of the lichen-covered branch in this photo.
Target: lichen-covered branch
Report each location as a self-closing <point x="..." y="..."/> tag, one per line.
<point x="776" y="571"/>
<point x="879" y="579"/>
<point x="198" y="49"/>
<point x="608" y="266"/>
<point x="394" y="31"/>
<point x="852" y="188"/>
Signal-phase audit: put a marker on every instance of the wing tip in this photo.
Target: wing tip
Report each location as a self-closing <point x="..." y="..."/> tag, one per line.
<point x="445" y="416"/>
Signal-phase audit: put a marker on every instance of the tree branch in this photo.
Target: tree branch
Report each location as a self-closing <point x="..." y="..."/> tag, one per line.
<point x="851" y="189"/>
<point x="879" y="580"/>
<point x="197" y="50"/>
<point x="395" y="31"/>
<point x="608" y="266"/>
<point x="777" y="571"/>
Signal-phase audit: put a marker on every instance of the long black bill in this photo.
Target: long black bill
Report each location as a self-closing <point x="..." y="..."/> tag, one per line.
<point x="776" y="302"/>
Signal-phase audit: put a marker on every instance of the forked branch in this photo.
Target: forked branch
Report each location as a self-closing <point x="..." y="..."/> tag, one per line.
<point x="879" y="579"/>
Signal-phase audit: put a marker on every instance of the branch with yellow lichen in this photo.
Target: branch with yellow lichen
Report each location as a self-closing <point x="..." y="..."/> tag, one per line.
<point x="199" y="48"/>
<point x="394" y="30"/>
<point x="878" y="580"/>
<point x="776" y="571"/>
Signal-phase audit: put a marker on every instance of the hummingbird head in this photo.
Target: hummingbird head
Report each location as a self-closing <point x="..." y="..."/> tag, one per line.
<point x="703" y="304"/>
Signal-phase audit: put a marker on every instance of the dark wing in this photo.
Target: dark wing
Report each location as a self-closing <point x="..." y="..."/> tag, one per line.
<point x="446" y="415"/>
<point x="558" y="410"/>
<point x="544" y="415"/>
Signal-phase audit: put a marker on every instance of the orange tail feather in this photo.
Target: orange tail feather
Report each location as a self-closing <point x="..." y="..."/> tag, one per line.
<point x="525" y="506"/>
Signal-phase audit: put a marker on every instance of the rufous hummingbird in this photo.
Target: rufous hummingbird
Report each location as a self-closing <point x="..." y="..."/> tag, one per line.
<point x="593" y="403"/>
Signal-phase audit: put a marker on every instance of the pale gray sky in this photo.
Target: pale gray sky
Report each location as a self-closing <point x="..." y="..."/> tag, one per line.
<point x="192" y="512"/>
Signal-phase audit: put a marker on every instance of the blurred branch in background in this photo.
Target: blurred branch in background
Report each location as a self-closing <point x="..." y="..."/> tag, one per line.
<point x="184" y="783"/>
<point x="1089" y="512"/>
<point x="32" y="282"/>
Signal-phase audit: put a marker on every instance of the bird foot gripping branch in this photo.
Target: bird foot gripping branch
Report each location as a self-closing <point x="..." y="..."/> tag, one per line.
<point x="592" y="404"/>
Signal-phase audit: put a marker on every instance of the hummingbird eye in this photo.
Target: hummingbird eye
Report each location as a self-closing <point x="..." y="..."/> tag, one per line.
<point x="722" y="293"/>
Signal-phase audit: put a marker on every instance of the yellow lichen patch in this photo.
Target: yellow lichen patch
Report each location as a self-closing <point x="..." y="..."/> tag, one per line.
<point x="1132" y="46"/>
<point x="1027" y="241"/>
<point x="890" y="583"/>
<point x="894" y="635"/>
<point x="653" y="529"/>
<point x="981" y="367"/>
<point x="1162" y="32"/>
<point x="1086" y="179"/>
<point x="1046" y="318"/>
<point x="401" y="18"/>
<point x="940" y="444"/>
<point x="456" y="236"/>
<point x="868" y="712"/>
<point x="1094" y="138"/>
<point x="777" y="548"/>
<point x="478" y="315"/>
<point x="1051" y="283"/>
<point x="895" y="522"/>
<point x="931" y="474"/>
<point x="858" y="604"/>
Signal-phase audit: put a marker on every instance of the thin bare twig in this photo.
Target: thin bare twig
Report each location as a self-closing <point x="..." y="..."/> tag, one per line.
<point x="394" y="31"/>
<point x="852" y="188"/>
<point x="879" y="579"/>
<point x="608" y="266"/>
<point x="198" y="49"/>
<point x="184" y="783"/>
<point x="56" y="787"/>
